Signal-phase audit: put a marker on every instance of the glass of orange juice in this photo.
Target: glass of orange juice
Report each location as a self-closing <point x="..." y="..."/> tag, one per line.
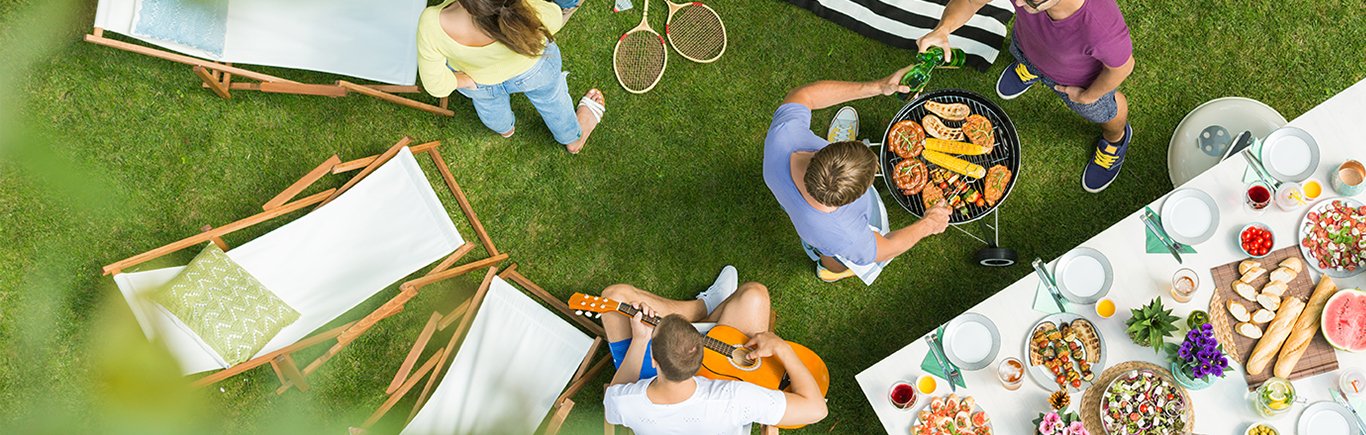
<point x="926" y="384"/>
<point x="1105" y="308"/>
<point x="1312" y="189"/>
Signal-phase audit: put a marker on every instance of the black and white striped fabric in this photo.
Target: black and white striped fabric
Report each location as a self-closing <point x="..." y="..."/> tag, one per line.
<point x="900" y="22"/>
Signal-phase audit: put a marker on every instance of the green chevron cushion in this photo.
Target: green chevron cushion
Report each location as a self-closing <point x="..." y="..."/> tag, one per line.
<point x="225" y="306"/>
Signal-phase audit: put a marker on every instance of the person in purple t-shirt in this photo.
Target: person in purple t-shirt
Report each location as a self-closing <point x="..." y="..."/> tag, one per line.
<point x="1079" y="48"/>
<point x="827" y="188"/>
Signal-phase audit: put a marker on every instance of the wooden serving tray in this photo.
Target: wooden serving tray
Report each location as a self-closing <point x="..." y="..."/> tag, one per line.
<point x="1318" y="358"/>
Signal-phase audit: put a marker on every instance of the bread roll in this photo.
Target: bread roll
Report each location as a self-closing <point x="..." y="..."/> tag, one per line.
<point x="1269" y="302"/>
<point x="1239" y="311"/>
<point x="1245" y="290"/>
<point x="1275" y="288"/>
<point x="1248" y="330"/>
<point x="1263" y="316"/>
<point x="1247" y="265"/>
<point x="1252" y="274"/>
<point x="1274" y="336"/>
<point x="1293" y="263"/>
<point x="1306" y="326"/>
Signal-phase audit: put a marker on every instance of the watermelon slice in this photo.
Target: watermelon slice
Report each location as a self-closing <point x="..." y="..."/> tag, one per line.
<point x="1344" y="320"/>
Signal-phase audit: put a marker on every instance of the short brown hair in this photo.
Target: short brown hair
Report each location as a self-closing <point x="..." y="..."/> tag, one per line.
<point x="677" y="348"/>
<point x="840" y="173"/>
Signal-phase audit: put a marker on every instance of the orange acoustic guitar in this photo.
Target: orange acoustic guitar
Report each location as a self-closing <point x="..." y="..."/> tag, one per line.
<point x="729" y="359"/>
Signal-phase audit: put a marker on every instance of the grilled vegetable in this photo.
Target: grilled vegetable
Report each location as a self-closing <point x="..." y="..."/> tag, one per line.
<point x="954" y="164"/>
<point x="954" y="147"/>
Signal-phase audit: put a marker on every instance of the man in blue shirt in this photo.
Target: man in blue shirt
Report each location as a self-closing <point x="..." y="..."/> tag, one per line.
<point x="826" y="188"/>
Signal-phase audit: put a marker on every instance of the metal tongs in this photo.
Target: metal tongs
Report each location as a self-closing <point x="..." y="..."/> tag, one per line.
<point x="937" y="350"/>
<point x="1154" y="224"/>
<point x="1049" y="283"/>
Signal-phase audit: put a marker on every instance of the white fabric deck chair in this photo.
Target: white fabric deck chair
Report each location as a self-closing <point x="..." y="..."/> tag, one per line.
<point x="519" y="361"/>
<point x="368" y="39"/>
<point x="383" y="225"/>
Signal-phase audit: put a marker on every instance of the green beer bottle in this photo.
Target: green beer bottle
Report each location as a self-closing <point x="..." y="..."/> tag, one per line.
<point x="919" y="75"/>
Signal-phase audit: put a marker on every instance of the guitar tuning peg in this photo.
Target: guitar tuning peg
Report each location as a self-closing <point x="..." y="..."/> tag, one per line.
<point x="578" y="312"/>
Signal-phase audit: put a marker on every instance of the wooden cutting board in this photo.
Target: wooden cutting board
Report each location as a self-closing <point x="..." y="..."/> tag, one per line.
<point x="1318" y="358"/>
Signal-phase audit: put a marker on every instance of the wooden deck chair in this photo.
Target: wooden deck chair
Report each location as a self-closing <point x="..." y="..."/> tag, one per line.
<point x="382" y="225"/>
<point x="368" y="39"/>
<point x="519" y="362"/>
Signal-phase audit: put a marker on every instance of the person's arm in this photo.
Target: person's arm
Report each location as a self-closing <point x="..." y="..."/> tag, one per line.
<point x="438" y="80"/>
<point x="629" y="371"/>
<point x="805" y="405"/>
<point x="898" y="242"/>
<point x="826" y="93"/>
<point x="956" y="14"/>
<point x="1108" y="80"/>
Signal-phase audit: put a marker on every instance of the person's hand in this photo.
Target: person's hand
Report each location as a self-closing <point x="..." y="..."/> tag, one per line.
<point x="639" y="329"/>
<point x="936" y="219"/>
<point x="765" y="344"/>
<point x="463" y="81"/>
<point x="892" y="84"/>
<point x="936" y="39"/>
<point x="1043" y="6"/>
<point x="1076" y="94"/>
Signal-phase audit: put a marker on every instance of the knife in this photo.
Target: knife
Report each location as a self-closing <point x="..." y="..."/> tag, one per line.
<point x="1260" y="169"/>
<point x="937" y="349"/>
<point x="1157" y="231"/>
<point x="1048" y="283"/>
<point x="1361" y="424"/>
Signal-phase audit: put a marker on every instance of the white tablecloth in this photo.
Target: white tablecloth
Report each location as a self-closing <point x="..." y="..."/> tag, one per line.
<point x="1339" y="127"/>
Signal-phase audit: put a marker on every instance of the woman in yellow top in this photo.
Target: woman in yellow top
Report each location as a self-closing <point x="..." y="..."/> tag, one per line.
<point x="490" y="49"/>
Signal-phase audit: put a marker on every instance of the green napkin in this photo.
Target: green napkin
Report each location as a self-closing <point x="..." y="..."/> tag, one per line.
<point x="1154" y="245"/>
<point x="931" y="365"/>
<point x="1250" y="175"/>
<point x="1043" y="302"/>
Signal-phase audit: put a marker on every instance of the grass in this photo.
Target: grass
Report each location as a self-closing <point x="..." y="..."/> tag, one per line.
<point x="107" y="154"/>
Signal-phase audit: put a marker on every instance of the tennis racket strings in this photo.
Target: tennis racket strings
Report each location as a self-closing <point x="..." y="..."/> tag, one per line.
<point x="696" y="32"/>
<point x="640" y="56"/>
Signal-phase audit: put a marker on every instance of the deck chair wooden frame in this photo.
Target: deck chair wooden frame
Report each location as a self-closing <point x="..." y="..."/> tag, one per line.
<point x="218" y="77"/>
<point x="282" y="361"/>
<point x="406" y="378"/>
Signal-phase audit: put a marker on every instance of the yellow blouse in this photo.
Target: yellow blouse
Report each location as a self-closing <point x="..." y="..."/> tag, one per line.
<point x="491" y="64"/>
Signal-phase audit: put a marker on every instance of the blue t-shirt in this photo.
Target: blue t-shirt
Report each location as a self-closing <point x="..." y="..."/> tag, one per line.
<point x="843" y="232"/>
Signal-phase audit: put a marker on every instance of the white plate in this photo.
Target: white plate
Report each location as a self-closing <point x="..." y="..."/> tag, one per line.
<point x="1305" y="226"/>
<point x="1190" y="216"/>
<point x="971" y="341"/>
<point x="1185" y="157"/>
<point x="1084" y="275"/>
<point x="1045" y="378"/>
<point x="1290" y="154"/>
<point x="1327" y="418"/>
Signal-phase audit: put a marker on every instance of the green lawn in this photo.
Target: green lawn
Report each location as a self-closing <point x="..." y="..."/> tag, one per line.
<point x="106" y="154"/>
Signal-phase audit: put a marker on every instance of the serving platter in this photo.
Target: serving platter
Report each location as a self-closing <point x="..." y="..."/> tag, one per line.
<point x="1040" y="373"/>
<point x="1307" y="225"/>
<point x="1159" y="404"/>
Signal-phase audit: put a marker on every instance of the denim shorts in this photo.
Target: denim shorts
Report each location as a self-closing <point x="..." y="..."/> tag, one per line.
<point x="544" y="85"/>
<point x="1098" y="112"/>
<point x="618" y="350"/>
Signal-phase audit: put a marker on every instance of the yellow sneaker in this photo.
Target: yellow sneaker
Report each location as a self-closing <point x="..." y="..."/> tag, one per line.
<point x="828" y="276"/>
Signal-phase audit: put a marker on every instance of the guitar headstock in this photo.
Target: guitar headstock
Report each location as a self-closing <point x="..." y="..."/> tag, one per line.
<point x="588" y="305"/>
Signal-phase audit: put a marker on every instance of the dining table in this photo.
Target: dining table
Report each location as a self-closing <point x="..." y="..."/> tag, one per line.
<point x="1337" y="125"/>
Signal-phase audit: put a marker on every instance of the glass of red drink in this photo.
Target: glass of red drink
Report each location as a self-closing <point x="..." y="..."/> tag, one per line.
<point x="902" y="395"/>
<point x="1257" y="197"/>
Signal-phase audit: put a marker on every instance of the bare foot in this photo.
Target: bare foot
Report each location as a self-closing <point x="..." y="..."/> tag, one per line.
<point x="587" y="120"/>
<point x="509" y="133"/>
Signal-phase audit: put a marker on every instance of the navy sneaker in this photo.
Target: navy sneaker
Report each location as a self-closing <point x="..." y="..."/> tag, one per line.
<point x="1015" y="80"/>
<point x="1105" y="166"/>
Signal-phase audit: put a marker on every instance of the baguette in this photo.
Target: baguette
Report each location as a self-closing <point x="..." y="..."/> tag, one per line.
<point x="1293" y="263"/>
<point x="1247" y="265"/>
<point x="1275" y="288"/>
<point x="1245" y="290"/>
<point x="1252" y="274"/>
<point x="1283" y="274"/>
<point x="1306" y="326"/>
<point x="1274" y="336"/>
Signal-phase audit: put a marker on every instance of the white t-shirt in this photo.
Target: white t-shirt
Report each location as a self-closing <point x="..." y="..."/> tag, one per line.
<point x="715" y="408"/>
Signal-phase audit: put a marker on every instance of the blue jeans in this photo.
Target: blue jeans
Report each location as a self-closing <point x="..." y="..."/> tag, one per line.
<point x="544" y="84"/>
<point x="566" y="4"/>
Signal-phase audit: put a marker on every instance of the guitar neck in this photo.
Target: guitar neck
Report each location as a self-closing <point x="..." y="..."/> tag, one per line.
<point x="710" y="343"/>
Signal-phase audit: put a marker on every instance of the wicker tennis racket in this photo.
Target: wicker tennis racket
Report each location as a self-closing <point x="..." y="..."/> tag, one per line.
<point x="696" y="31"/>
<point x="640" y="56"/>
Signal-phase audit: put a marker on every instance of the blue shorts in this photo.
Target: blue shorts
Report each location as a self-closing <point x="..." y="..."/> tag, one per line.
<point x="1098" y="112"/>
<point x="647" y="370"/>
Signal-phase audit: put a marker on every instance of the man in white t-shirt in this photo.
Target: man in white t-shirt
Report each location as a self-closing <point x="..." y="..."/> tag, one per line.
<point x="678" y="402"/>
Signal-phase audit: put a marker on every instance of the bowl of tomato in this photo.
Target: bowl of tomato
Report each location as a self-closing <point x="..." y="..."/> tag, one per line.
<point x="1256" y="239"/>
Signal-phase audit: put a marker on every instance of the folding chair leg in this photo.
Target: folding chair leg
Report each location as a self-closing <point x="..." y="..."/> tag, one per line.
<point x="561" y="413"/>
<point x="414" y="353"/>
<point x="212" y="82"/>
<point x="289" y="373"/>
<point x="215" y="239"/>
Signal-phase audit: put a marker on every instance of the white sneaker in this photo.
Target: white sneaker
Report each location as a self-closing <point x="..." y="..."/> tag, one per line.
<point x="725" y="285"/>
<point x="844" y="126"/>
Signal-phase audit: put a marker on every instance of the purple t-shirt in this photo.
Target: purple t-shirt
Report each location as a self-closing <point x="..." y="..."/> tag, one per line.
<point x="843" y="232"/>
<point x="1072" y="51"/>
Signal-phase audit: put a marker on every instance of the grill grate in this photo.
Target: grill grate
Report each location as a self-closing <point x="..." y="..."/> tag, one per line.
<point x="1006" y="152"/>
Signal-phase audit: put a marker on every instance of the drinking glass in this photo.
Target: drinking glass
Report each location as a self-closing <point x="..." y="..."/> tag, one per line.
<point x="1184" y="284"/>
<point x="1257" y="197"/>
<point x="1011" y="373"/>
<point x="902" y="395"/>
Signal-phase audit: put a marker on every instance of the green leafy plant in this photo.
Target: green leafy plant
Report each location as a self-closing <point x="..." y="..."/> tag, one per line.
<point x="1151" y="324"/>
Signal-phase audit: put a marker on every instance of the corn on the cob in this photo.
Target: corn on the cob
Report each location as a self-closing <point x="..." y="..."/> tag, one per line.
<point x="954" y="147"/>
<point x="954" y="164"/>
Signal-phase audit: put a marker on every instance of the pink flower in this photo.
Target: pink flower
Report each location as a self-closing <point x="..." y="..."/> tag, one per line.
<point x="1051" y="423"/>
<point x="1076" y="429"/>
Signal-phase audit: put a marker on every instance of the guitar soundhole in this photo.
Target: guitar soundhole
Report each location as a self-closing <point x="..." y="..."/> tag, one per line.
<point x="740" y="359"/>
